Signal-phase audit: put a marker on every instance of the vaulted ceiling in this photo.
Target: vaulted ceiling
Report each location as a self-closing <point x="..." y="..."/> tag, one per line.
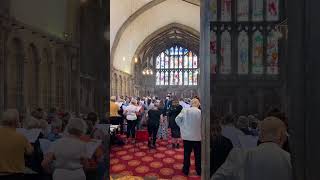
<point x="147" y="26"/>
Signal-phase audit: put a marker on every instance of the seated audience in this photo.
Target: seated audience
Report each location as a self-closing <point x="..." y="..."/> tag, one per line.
<point x="243" y="125"/>
<point x="230" y="131"/>
<point x="13" y="147"/>
<point x="268" y="161"/>
<point x="69" y="153"/>
<point x="56" y="130"/>
<point x="220" y="148"/>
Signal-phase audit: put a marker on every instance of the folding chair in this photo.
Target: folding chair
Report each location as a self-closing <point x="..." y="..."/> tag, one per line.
<point x="141" y="137"/>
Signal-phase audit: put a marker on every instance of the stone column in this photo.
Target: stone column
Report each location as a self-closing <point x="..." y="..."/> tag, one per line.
<point x="304" y="87"/>
<point x="2" y="67"/>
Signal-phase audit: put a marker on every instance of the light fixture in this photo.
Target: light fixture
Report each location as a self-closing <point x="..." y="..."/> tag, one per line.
<point x="147" y="71"/>
<point x="135" y="60"/>
<point x="124" y="59"/>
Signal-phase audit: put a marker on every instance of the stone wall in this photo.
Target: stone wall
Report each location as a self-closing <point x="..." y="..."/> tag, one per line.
<point x="37" y="69"/>
<point x="122" y="84"/>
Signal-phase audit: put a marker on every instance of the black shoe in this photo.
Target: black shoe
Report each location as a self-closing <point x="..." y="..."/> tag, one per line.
<point x="178" y="146"/>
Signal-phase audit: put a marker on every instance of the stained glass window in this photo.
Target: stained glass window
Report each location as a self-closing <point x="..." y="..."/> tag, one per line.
<point x="176" y="78"/>
<point x="171" y="62"/>
<point x="171" y="78"/>
<point x="226" y="10"/>
<point x="166" y="82"/>
<point x="186" y="78"/>
<point x="176" y="62"/>
<point x="257" y="53"/>
<point x="225" y="63"/>
<point x="180" y="78"/>
<point x="195" y="77"/>
<point x="161" y="78"/>
<point x="177" y="66"/>
<point x="180" y="62"/>
<point x="257" y="10"/>
<point x="272" y="53"/>
<point x="190" y="59"/>
<point x="243" y="10"/>
<point x="186" y="61"/>
<point x="180" y="51"/>
<point x="158" y="78"/>
<point x="190" y="78"/>
<point x="158" y="62"/>
<point x="242" y="39"/>
<point x="243" y="53"/>
<point x="162" y="61"/>
<point x="172" y="51"/>
<point x="195" y="61"/>
<point x="272" y="10"/>
<point x="213" y="10"/>
<point x="166" y="62"/>
<point x="213" y="51"/>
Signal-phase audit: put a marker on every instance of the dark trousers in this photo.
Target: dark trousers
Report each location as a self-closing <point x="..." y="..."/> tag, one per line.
<point x="153" y="130"/>
<point x="188" y="147"/>
<point x="117" y="121"/>
<point x="131" y="129"/>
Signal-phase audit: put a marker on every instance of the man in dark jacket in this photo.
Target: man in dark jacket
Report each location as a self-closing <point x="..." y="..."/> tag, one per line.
<point x="153" y="125"/>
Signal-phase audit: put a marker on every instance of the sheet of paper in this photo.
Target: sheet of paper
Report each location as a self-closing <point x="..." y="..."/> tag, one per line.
<point x="92" y="147"/>
<point x="248" y="141"/>
<point x="45" y="145"/>
<point x="32" y="134"/>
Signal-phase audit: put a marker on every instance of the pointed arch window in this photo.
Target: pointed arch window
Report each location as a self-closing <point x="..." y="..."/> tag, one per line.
<point x="177" y="66"/>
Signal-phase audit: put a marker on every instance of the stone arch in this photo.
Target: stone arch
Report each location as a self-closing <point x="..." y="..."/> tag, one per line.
<point x="120" y="86"/>
<point x="168" y="28"/>
<point x="119" y="45"/>
<point x="33" y="77"/>
<point x="114" y="85"/>
<point x="15" y="75"/>
<point x="45" y="80"/>
<point x="133" y="17"/>
<point x="60" y="74"/>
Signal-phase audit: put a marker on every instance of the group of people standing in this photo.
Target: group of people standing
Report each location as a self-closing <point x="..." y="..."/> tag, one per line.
<point x="158" y="116"/>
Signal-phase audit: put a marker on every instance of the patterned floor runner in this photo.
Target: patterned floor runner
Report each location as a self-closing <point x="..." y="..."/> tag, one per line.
<point x="160" y="163"/>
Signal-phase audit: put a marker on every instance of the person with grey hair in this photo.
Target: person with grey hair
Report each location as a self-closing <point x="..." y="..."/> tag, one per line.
<point x="189" y="121"/>
<point x="265" y="162"/>
<point x="243" y="125"/>
<point x="69" y="153"/>
<point x="13" y="147"/>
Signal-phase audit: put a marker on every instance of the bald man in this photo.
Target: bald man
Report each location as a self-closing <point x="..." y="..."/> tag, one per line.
<point x="268" y="161"/>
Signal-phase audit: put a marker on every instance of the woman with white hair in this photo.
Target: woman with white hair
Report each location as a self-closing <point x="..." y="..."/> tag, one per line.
<point x="131" y="116"/>
<point x="69" y="153"/>
<point x="13" y="147"/>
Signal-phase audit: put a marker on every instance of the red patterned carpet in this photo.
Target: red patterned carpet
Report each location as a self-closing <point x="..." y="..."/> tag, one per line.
<point x="162" y="162"/>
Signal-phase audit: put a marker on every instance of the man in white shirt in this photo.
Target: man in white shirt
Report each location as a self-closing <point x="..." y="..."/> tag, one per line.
<point x="268" y="161"/>
<point x="189" y="121"/>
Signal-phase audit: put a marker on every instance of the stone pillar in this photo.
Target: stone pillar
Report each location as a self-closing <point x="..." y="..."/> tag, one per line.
<point x="304" y="87"/>
<point x="2" y="68"/>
